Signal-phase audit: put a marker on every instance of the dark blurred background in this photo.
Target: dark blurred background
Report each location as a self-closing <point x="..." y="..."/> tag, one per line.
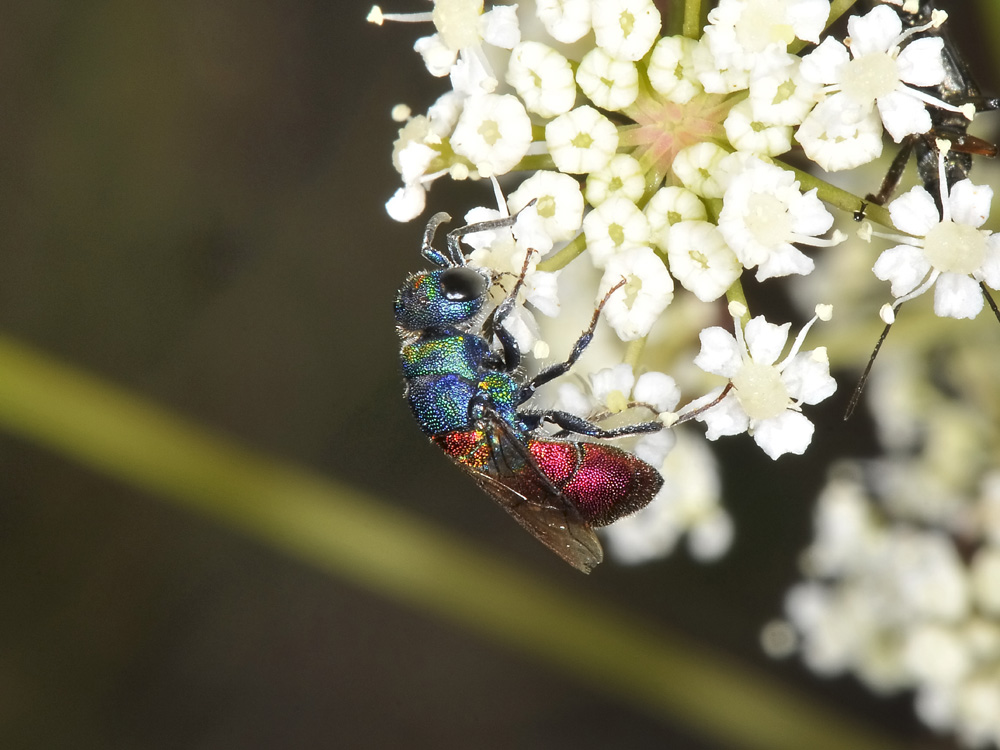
<point x="191" y="206"/>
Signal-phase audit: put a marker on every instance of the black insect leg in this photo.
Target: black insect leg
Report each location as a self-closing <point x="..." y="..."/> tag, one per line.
<point x="891" y="180"/>
<point x="494" y="323"/>
<point x="579" y="425"/>
<point x="554" y="371"/>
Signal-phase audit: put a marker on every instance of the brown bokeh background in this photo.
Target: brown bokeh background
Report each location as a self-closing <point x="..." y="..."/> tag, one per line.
<point x="191" y="206"/>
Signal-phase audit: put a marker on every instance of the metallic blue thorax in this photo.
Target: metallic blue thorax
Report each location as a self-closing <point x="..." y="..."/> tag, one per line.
<point x="446" y="371"/>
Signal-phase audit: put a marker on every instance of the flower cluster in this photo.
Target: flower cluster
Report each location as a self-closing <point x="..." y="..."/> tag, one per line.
<point x="651" y="162"/>
<point x="900" y="583"/>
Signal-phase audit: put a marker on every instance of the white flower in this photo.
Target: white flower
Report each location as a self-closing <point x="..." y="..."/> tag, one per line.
<point x="671" y="69"/>
<point x="582" y="140"/>
<point x="648" y="289"/>
<point x="701" y="260"/>
<point x="697" y="167"/>
<point x="878" y="73"/>
<point x="766" y="394"/>
<point x="743" y="32"/>
<point x="622" y="175"/>
<point x="493" y="132"/>
<point x="457" y="47"/>
<point x="608" y="82"/>
<point x="543" y="79"/>
<point x="615" y="225"/>
<point x="746" y="134"/>
<point x="947" y="251"/>
<point x="779" y="93"/>
<point x="836" y="144"/>
<point x="565" y="20"/>
<point x="764" y="212"/>
<point x="558" y="202"/>
<point x="625" y="29"/>
<point x="668" y="206"/>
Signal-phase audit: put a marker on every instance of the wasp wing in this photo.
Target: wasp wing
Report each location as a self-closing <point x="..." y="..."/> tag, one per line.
<point x="513" y="478"/>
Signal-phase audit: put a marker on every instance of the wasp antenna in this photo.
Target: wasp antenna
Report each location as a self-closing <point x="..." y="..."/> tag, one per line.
<point x="856" y="396"/>
<point x="989" y="298"/>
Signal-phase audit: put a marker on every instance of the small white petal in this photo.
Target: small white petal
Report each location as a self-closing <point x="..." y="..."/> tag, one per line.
<point x="789" y="432"/>
<point x="725" y="418"/>
<point x="720" y="352"/>
<point x="657" y="389"/>
<point x="765" y="341"/>
<point x="957" y="296"/>
<point x="876" y="31"/>
<point x="904" y="266"/>
<point x="920" y="62"/>
<point x="989" y="272"/>
<point x="903" y="115"/>
<point x="969" y="203"/>
<point x="914" y="212"/>
<point x="808" y="379"/>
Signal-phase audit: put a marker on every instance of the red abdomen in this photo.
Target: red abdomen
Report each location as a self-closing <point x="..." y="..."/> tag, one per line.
<point x="603" y="482"/>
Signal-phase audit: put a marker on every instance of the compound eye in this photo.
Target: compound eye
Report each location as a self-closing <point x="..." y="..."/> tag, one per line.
<point x="462" y="284"/>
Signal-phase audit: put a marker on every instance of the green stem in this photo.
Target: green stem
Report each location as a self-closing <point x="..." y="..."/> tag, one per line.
<point x="563" y="258"/>
<point x="373" y="544"/>
<point x="633" y="353"/>
<point x="692" y="19"/>
<point x="735" y="294"/>
<point x="534" y="162"/>
<point x="839" y="198"/>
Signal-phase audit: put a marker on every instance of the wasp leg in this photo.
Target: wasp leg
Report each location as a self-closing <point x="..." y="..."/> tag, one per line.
<point x="572" y="423"/>
<point x="554" y="371"/>
<point x="891" y="180"/>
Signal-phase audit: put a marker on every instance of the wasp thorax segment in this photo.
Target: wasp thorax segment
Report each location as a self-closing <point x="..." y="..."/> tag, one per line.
<point x="760" y="391"/>
<point x="955" y="248"/>
<point x="870" y="77"/>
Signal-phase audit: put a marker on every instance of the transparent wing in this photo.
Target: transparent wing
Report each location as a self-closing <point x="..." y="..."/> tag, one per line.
<point x="514" y="480"/>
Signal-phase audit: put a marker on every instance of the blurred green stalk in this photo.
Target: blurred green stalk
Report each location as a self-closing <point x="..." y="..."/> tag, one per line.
<point x="366" y="541"/>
